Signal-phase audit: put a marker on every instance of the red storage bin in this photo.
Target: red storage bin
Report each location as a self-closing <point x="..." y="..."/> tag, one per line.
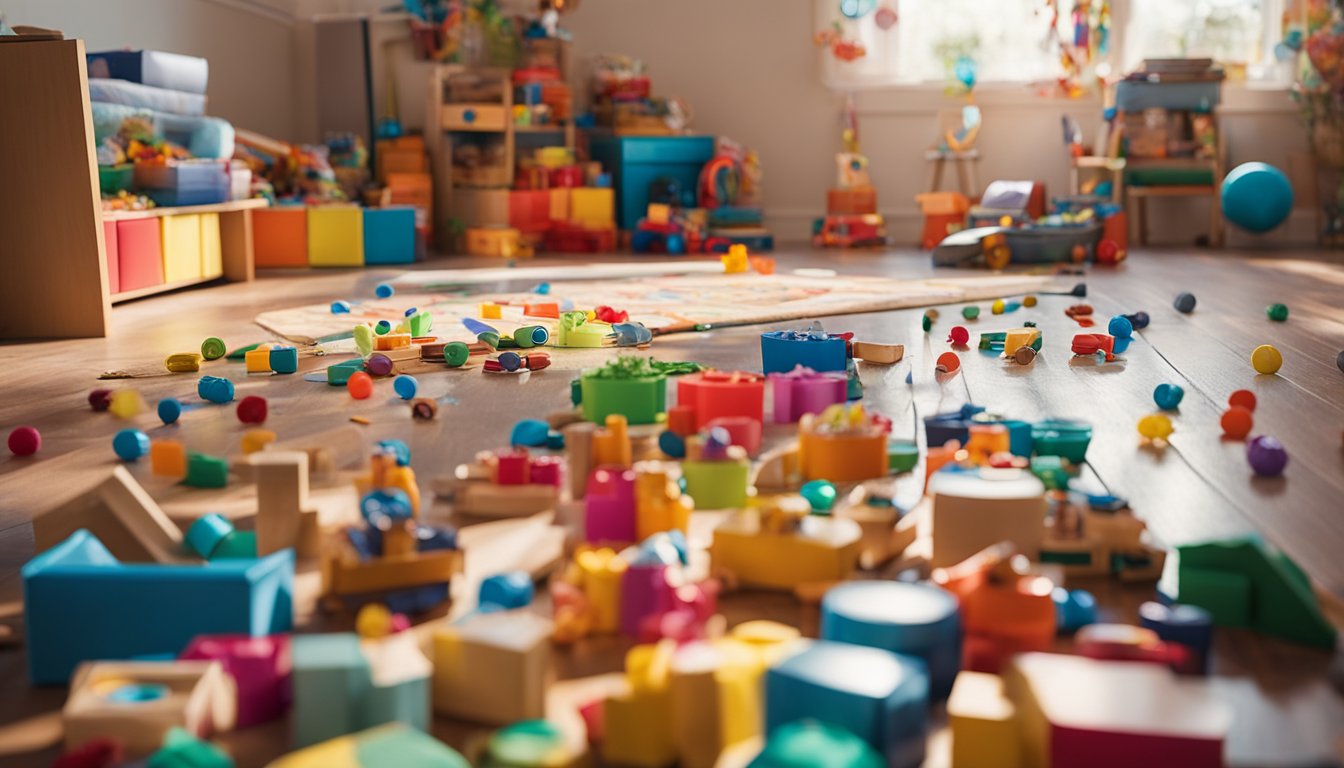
<point x="567" y="176"/>
<point x="139" y="254"/>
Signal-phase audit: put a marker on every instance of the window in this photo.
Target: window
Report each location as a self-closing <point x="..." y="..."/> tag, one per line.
<point x="1011" y="41"/>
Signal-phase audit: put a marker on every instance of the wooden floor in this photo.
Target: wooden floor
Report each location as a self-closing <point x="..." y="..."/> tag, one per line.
<point x="1199" y="487"/>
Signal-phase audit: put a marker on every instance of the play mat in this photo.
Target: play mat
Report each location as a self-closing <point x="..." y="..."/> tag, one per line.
<point x="666" y="303"/>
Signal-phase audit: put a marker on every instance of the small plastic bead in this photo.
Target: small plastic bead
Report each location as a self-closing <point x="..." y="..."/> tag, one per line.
<point x="382" y="328"/>
<point x="1266" y="359"/>
<point x="360" y="385"/>
<point x="1029" y="301"/>
<point x="1244" y="398"/>
<point x="1267" y="456"/>
<point x="1139" y="320"/>
<point x="455" y="354"/>
<point x="997" y="307"/>
<point x="405" y="387"/>
<point x="130" y="444"/>
<point x="1185" y="303"/>
<point x="170" y="410"/>
<point x="926" y="323"/>
<point x="125" y="403"/>
<point x="252" y="410"/>
<point x="24" y="441"/>
<point x="820" y="495"/>
<point x="970" y="312"/>
<point x="384" y="291"/>
<point x="213" y="348"/>
<point x="1155" y="426"/>
<point x="959" y="335"/>
<point x="100" y="399"/>
<point x="1120" y="327"/>
<point x="340" y="307"/>
<point x="1236" y="422"/>
<point x="378" y="365"/>
<point x="1277" y="312"/>
<point x="1168" y="396"/>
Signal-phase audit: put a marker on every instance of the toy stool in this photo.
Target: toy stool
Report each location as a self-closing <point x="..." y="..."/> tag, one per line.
<point x="965" y="163"/>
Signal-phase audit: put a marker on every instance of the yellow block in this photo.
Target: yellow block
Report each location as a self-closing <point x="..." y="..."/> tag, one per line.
<point x="659" y="213"/>
<point x="659" y="505"/>
<point x="258" y="360"/>
<point x="212" y="254"/>
<point x="559" y="205"/>
<point x="601" y="571"/>
<point x="638" y="725"/>
<point x="491" y="311"/>
<point x="984" y="723"/>
<point x="256" y="439"/>
<point x="825" y="549"/>
<point x="716" y="700"/>
<point x="390" y="341"/>
<point x="181" y="247"/>
<point x="335" y="236"/>
<point x="593" y="207"/>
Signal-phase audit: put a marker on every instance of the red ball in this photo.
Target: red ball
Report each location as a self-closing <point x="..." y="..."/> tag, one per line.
<point x="100" y="399"/>
<point x="360" y="385"/>
<point x="252" y="409"/>
<point x="25" y="441"/>
<point x="1243" y="398"/>
<point x="1237" y="422"/>
<point x="959" y="335"/>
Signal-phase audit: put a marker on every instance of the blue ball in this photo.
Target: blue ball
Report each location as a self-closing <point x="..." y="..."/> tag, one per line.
<point x="1256" y="197"/>
<point x="1185" y="303"/>
<point x="340" y="307"/>
<point x="672" y="444"/>
<point x="1168" y="396"/>
<point x="532" y="433"/>
<point x="169" y="410"/>
<point x="384" y="291"/>
<point x="405" y="387"/>
<point x="130" y="444"/>
<point x="1120" y="327"/>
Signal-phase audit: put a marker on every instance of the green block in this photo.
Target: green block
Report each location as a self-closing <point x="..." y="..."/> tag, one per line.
<point x="239" y="545"/>
<point x="808" y="744"/>
<point x="639" y="400"/>
<point x="420" y="323"/>
<point x="206" y="471"/>
<point x="182" y="750"/>
<point x="716" y="484"/>
<point x="339" y="374"/>
<point x="404" y="747"/>
<point x="1050" y="469"/>
<point x="1280" y="603"/>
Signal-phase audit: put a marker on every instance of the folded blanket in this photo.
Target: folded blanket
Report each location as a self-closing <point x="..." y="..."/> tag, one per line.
<point x="130" y="94"/>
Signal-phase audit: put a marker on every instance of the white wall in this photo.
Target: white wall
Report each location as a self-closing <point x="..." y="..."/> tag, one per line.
<point x="248" y="44"/>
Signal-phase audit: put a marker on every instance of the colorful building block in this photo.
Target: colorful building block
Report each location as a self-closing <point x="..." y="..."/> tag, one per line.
<point x="206" y="471"/>
<point x="385" y="745"/>
<point x="182" y="749"/>
<point x="593" y="207"/>
<point x="802" y="391"/>
<point x="918" y="620"/>
<point x="600" y="574"/>
<point x="139" y="254"/>
<point x="283" y="359"/>
<point x="1188" y="625"/>
<point x="1006" y="607"/>
<point x="836" y="448"/>
<point x="285" y="517"/>
<point x="881" y="697"/>
<point x="721" y="394"/>
<point x="983" y="721"/>
<point x="639" y="400"/>
<point x="645" y="592"/>
<point x="389" y="235"/>
<point x="258" y="360"/>
<point x="716" y="699"/>
<point x="502" y="242"/>
<point x="492" y="667"/>
<point x="782" y="351"/>
<point x="80" y="603"/>
<point x="181" y="248"/>
<point x="335" y="236"/>
<point x="122" y="515"/>
<point x="637" y="727"/>
<point x="212" y="251"/>
<point x="168" y="458"/>
<point x="342" y="685"/>
<point x="259" y="666"/>
<point x="976" y="509"/>
<point x="809" y="743"/>
<point x="280" y="236"/>
<point x="1077" y="711"/>
<point x="762" y="552"/>
<point x="138" y="703"/>
<point x="609" y="506"/>
<point x="717" y="484"/>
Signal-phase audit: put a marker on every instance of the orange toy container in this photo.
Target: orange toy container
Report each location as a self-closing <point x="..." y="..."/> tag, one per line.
<point x="842" y="457"/>
<point x="944" y="213"/>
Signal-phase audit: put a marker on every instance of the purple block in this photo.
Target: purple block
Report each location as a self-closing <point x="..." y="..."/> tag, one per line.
<point x="803" y="391"/>
<point x="260" y="667"/>
<point x="609" y="506"/>
<point x="644" y="592"/>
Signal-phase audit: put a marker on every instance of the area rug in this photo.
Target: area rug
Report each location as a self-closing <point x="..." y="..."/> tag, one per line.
<point x="664" y="303"/>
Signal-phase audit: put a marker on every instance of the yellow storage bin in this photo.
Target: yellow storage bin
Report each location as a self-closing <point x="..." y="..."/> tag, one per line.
<point x="181" y="247"/>
<point x="593" y="207"/>
<point x="335" y="236"/>
<point x="212" y="257"/>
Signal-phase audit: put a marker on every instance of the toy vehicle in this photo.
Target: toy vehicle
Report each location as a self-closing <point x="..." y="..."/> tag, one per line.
<point x="850" y="231"/>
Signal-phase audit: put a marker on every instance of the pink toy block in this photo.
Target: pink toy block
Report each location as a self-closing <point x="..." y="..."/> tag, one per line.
<point x="609" y="507"/>
<point x="644" y="592"/>
<point x="744" y="431"/>
<point x="803" y="391"/>
<point x="259" y="666"/>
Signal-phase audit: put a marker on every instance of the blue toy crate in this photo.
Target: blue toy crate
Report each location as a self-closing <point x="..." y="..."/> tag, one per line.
<point x="1137" y="95"/>
<point x="635" y="162"/>
<point x="191" y="182"/>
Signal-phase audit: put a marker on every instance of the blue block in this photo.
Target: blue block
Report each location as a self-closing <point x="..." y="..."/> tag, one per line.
<point x="782" y="351"/>
<point x="80" y="603"/>
<point x="331" y="681"/>
<point x="512" y="589"/>
<point x="207" y="533"/>
<point x="635" y="162"/>
<point x="1188" y="625"/>
<point x="913" y="619"/>
<point x="879" y="696"/>
<point x="389" y="235"/>
<point x="284" y="359"/>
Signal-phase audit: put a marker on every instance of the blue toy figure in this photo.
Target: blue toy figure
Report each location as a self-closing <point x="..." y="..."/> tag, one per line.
<point x="1256" y="197"/>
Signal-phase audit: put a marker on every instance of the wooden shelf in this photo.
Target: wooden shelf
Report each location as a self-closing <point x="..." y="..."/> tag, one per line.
<point x="183" y="210"/>
<point x="150" y="290"/>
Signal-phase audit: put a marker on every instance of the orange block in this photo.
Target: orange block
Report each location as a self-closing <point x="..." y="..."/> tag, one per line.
<point x="280" y="236"/>
<point x="542" y="309"/>
<point x="168" y="458"/>
<point x="392" y="341"/>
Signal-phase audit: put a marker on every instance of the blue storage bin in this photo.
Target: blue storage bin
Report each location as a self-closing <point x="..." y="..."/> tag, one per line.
<point x="389" y="235"/>
<point x="637" y="161"/>
<point x="1136" y="95"/>
<point x="189" y="182"/>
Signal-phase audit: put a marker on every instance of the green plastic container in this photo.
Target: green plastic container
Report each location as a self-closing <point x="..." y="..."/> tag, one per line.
<point x="640" y="400"/>
<point x="1062" y="437"/>
<point x="114" y="178"/>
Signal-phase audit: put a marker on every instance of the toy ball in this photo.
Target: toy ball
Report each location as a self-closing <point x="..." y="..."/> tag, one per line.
<point x="1256" y="197"/>
<point x="1267" y="456"/>
<point x="959" y="335"/>
<point x="1155" y="426"/>
<point x="1027" y="301"/>
<point x="382" y="328"/>
<point x="252" y="410"/>
<point x="1266" y="359"/>
<point x="1277" y="312"/>
<point x="972" y="312"/>
<point x="170" y="410"/>
<point x="948" y="362"/>
<point x="1109" y="252"/>
<point x="1236" y="422"/>
<point x="373" y="621"/>
<point x="997" y="307"/>
<point x="130" y="444"/>
<point x="820" y="494"/>
<point x="101" y="399"/>
<point x="1138" y="321"/>
<point x="340" y="307"/>
<point x="378" y="365"/>
<point x="405" y="387"/>
<point x="384" y="291"/>
<point x="24" y="441"/>
<point x="1168" y="396"/>
<point x="1185" y="303"/>
<point x="1120" y="327"/>
<point x="360" y="385"/>
<point x="1243" y="398"/>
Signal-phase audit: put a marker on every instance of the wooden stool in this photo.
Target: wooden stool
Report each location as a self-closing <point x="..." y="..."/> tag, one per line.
<point x="1139" y="194"/>
<point x="965" y="163"/>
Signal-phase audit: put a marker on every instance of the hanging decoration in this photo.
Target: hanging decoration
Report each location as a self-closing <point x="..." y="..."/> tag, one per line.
<point x="856" y="9"/>
<point x="842" y="48"/>
<point x="885" y="18"/>
<point x="1088" y="42"/>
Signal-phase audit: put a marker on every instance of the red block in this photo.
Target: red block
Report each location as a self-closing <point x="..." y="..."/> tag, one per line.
<point x="530" y="210"/>
<point x="512" y="468"/>
<point x="743" y="430"/>
<point x="113" y="260"/>
<point x="546" y="470"/>
<point x="139" y="253"/>
<point x="721" y="394"/>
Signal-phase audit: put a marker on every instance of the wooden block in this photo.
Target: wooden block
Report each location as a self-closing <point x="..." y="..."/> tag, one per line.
<point x="389" y="341"/>
<point x="975" y="510"/>
<point x="285" y="518"/>
<point x="492" y="668"/>
<point x="637" y="727"/>
<point x="480" y="207"/>
<point x="332" y="679"/>
<point x="579" y="456"/>
<point x="280" y="236"/>
<point x="882" y="354"/>
<point x="401" y="682"/>
<point x="137" y="703"/>
<point x="212" y="254"/>
<point x="344" y="574"/>
<point x="486" y="499"/>
<point x="122" y="516"/>
<point x="716" y="700"/>
<point x="181" y="247"/>
<point x="984" y="723"/>
<point x="335" y="236"/>
<point x="822" y="550"/>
